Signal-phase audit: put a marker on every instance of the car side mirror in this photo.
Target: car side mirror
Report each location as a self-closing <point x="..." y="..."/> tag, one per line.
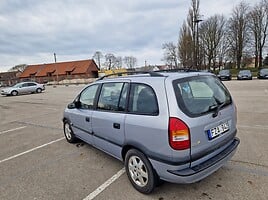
<point x="74" y="105"/>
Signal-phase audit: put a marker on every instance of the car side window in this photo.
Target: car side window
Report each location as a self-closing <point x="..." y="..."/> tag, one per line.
<point x="110" y="96"/>
<point x="87" y="97"/>
<point x="24" y="85"/>
<point x="31" y="84"/>
<point x="142" y="100"/>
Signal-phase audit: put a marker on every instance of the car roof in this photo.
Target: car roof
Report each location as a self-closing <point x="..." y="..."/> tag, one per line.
<point x="154" y="76"/>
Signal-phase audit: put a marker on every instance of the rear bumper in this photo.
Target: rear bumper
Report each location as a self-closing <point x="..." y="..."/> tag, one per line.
<point x="196" y="173"/>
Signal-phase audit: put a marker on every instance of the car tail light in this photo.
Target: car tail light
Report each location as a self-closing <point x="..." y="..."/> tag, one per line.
<point x="179" y="134"/>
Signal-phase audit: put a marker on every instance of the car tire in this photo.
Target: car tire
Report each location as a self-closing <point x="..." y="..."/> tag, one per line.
<point x="68" y="132"/>
<point x="38" y="90"/>
<point x="140" y="171"/>
<point x="14" y="93"/>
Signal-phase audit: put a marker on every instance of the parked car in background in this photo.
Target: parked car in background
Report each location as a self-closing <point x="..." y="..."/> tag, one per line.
<point x="244" y="75"/>
<point x="176" y="127"/>
<point x="263" y="74"/>
<point x="23" y="88"/>
<point x="225" y="74"/>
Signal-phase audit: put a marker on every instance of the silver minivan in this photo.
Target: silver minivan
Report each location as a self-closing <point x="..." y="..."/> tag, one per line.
<point x="176" y="127"/>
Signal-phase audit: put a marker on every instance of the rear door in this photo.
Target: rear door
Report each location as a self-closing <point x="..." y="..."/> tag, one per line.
<point x="23" y="88"/>
<point x="108" y="120"/>
<point x="209" y="113"/>
<point x="31" y="87"/>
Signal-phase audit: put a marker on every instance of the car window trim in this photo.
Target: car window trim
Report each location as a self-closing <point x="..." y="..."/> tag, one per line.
<point x="77" y="99"/>
<point x="95" y="107"/>
<point x="182" y="105"/>
<point x="131" y="100"/>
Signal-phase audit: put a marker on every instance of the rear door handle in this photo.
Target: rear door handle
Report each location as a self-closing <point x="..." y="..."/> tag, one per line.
<point x="87" y="119"/>
<point x="116" y="126"/>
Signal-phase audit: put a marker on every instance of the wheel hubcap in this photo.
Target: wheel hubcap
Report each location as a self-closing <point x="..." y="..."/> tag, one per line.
<point x="138" y="171"/>
<point x="68" y="131"/>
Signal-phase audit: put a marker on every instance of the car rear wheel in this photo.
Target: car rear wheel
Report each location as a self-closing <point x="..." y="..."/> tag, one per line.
<point x="140" y="172"/>
<point x="14" y="93"/>
<point x="68" y="132"/>
<point x="38" y="90"/>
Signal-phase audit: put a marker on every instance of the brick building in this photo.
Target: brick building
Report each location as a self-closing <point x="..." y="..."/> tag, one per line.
<point x="44" y="73"/>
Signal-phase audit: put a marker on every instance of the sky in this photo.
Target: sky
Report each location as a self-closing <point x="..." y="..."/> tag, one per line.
<point x="31" y="31"/>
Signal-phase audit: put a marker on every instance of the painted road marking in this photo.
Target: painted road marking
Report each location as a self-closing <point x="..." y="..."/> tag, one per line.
<point x="14" y="129"/>
<point x="253" y="126"/>
<point x="30" y="150"/>
<point x="96" y="192"/>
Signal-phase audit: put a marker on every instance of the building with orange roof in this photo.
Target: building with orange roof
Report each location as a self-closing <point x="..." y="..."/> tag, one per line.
<point x="59" y="71"/>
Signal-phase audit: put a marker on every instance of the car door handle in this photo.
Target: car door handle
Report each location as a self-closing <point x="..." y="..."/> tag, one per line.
<point x="116" y="126"/>
<point x="87" y="119"/>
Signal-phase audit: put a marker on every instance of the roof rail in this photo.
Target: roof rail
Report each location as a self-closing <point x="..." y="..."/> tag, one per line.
<point x="179" y="70"/>
<point x="151" y="73"/>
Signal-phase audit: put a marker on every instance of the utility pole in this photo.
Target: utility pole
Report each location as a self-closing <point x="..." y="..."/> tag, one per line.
<point x="55" y="58"/>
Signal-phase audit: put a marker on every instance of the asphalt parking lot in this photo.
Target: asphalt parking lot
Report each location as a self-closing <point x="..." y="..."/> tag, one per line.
<point x="37" y="163"/>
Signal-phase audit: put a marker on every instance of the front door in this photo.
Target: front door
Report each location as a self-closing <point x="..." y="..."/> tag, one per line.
<point x="108" y="120"/>
<point x="81" y="121"/>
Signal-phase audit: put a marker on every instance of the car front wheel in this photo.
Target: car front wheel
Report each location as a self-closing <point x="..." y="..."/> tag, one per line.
<point x="140" y="172"/>
<point x="68" y="132"/>
<point x="14" y="93"/>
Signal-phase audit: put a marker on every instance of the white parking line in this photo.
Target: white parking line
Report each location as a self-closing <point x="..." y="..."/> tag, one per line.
<point x="254" y="126"/>
<point x="14" y="129"/>
<point x="96" y="192"/>
<point x="30" y="150"/>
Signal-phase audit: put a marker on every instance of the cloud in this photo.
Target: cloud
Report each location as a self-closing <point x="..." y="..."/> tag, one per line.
<point x="32" y="30"/>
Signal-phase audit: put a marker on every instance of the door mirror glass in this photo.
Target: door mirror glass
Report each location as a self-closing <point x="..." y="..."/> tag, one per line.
<point x="73" y="105"/>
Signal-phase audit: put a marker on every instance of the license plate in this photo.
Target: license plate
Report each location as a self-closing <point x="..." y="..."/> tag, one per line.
<point x="216" y="131"/>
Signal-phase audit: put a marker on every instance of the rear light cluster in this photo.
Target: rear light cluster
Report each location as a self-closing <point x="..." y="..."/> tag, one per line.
<point x="179" y="134"/>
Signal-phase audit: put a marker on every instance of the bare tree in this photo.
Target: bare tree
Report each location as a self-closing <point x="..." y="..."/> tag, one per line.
<point x="20" y="68"/>
<point x="118" y="62"/>
<point x="223" y="50"/>
<point x="110" y="61"/>
<point x="259" y="25"/>
<point x="130" y="61"/>
<point x="97" y="57"/>
<point x="265" y="61"/>
<point x="211" y="35"/>
<point x="185" y="46"/>
<point x="170" y="54"/>
<point x="238" y="31"/>
<point x="193" y="20"/>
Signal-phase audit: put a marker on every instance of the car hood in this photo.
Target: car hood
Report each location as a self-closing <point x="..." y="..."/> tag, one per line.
<point x="7" y="89"/>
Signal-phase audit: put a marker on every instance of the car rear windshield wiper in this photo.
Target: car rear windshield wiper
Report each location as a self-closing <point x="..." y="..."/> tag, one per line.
<point x="216" y="107"/>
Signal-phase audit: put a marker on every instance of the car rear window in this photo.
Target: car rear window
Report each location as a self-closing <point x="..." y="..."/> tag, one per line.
<point x="200" y="95"/>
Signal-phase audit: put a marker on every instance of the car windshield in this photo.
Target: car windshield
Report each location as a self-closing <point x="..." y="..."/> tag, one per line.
<point x="264" y="71"/>
<point x="244" y="72"/>
<point x="224" y="72"/>
<point x="200" y="95"/>
<point x="17" y="85"/>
